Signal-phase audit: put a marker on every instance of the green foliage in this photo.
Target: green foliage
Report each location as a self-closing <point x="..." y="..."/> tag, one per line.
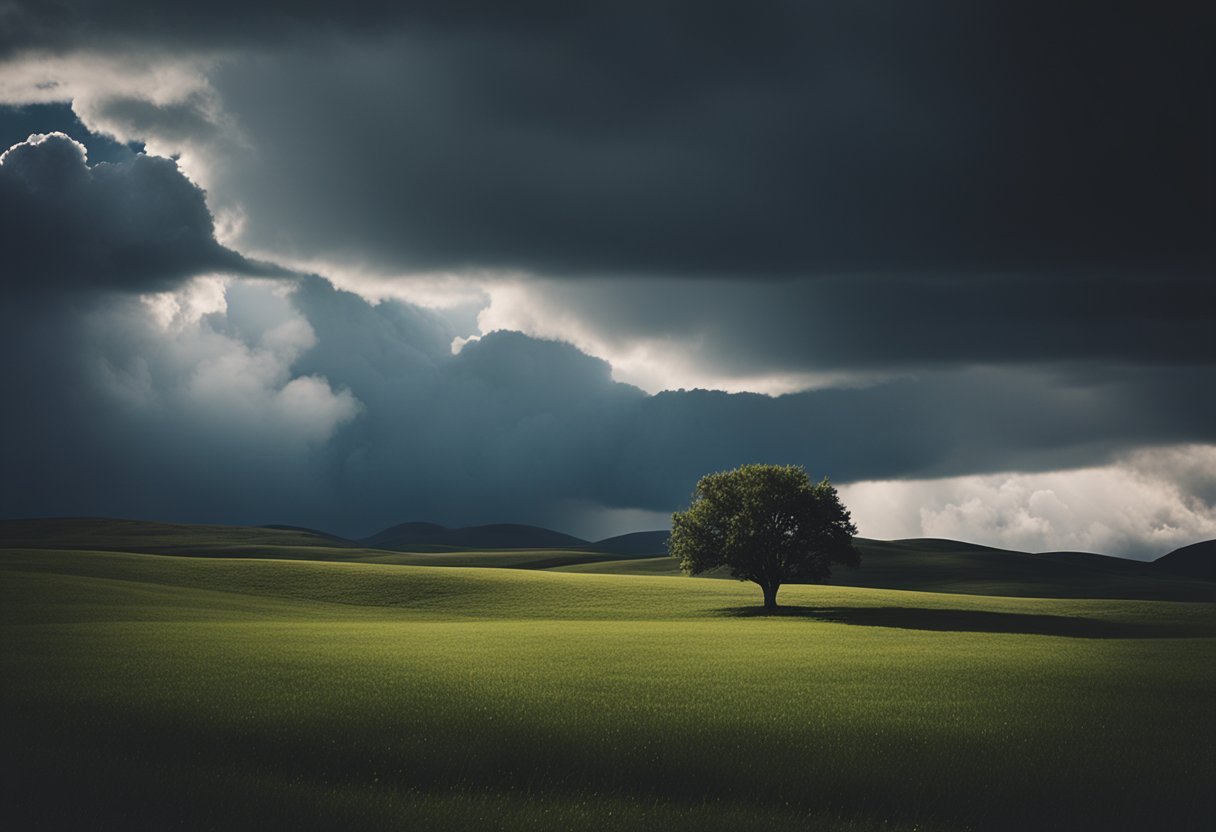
<point x="767" y="524"/>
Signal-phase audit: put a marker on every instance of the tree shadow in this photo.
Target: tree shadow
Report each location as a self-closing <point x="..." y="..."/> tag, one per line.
<point x="966" y="621"/>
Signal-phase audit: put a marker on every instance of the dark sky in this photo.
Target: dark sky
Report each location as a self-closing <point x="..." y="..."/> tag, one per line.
<point x="349" y="265"/>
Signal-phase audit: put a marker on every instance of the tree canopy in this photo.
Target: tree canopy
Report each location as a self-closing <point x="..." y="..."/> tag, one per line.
<point x="768" y="524"/>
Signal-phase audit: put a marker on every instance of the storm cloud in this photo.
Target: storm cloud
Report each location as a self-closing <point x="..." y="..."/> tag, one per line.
<point x="784" y="139"/>
<point x="833" y="330"/>
<point x="259" y="401"/>
<point x="136" y="225"/>
<point x="964" y="241"/>
<point x="991" y="183"/>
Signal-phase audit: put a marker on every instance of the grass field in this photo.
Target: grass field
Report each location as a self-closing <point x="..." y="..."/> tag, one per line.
<point x="153" y="692"/>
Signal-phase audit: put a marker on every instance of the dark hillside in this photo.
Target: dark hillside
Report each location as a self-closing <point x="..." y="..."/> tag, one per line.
<point x="427" y="534"/>
<point x="109" y="534"/>
<point x="954" y="566"/>
<point x="1195" y="561"/>
<point x="932" y="565"/>
<point x="637" y="544"/>
<point x="918" y="564"/>
<point x="407" y="536"/>
<point x="333" y="538"/>
<point x="1105" y="563"/>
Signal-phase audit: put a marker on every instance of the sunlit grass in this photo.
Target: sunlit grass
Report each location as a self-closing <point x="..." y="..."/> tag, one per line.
<point x="227" y="693"/>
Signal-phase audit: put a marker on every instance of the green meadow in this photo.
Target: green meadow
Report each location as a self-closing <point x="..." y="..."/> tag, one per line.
<point x="160" y="691"/>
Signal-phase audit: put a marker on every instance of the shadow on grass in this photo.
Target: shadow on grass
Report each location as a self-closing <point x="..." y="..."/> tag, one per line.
<point x="965" y="621"/>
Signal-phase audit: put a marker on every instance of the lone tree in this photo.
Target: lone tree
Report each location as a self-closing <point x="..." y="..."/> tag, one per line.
<point x="768" y="523"/>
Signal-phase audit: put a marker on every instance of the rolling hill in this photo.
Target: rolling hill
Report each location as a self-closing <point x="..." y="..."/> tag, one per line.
<point x="414" y="536"/>
<point x="117" y="535"/>
<point x="930" y="565"/>
<point x="1195" y="561"/>
<point x="145" y="691"/>
<point x="636" y="544"/>
<point x="923" y="564"/>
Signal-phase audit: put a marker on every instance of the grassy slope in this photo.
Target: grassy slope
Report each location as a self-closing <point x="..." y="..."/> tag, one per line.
<point x="107" y="534"/>
<point x="145" y="691"/>
<point x="925" y="564"/>
<point x="290" y="543"/>
<point x="949" y="566"/>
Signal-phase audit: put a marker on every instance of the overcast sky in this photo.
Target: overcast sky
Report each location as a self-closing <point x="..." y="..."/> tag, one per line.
<point x="345" y="265"/>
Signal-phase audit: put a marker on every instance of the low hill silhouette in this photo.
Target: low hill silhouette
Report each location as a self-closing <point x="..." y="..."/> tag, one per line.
<point x="637" y="544"/>
<point x="1195" y="561"/>
<point x="119" y="535"/>
<point x="922" y="564"/>
<point x="409" y="536"/>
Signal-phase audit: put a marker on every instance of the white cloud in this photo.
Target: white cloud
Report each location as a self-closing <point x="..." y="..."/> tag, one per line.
<point x="41" y="78"/>
<point x="219" y="353"/>
<point x="201" y="296"/>
<point x="430" y="290"/>
<point x="165" y="101"/>
<point x="1144" y="505"/>
<point x="310" y="407"/>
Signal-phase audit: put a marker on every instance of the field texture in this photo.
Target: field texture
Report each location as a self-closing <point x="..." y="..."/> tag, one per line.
<point x="153" y="692"/>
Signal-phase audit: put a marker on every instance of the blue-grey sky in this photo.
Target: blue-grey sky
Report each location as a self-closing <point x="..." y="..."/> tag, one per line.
<point x="348" y="266"/>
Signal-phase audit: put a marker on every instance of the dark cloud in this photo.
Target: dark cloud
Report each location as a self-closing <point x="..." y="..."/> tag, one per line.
<point x="867" y="186"/>
<point x="793" y="143"/>
<point x="1002" y="211"/>
<point x="690" y="138"/>
<point x="136" y="225"/>
<point x="318" y="408"/>
<point x="882" y="324"/>
<point x="19" y="123"/>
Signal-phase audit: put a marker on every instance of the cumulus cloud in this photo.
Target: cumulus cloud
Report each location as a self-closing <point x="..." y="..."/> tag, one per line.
<point x="160" y="100"/>
<point x="135" y="225"/>
<point x="1143" y="505"/>
<point x="844" y="203"/>
<point x="118" y="408"/>
<point x="955" y="261"/>
<point x="261" y="401"/>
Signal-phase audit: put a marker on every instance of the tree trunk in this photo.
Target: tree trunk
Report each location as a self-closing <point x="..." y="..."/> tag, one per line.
<point x="770" y="595"/>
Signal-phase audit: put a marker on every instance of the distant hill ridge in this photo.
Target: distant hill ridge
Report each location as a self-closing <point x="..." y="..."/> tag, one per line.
<point x="919" y="564"/>
<point x="637" y="544"/>
<point x="283" y="527"/>
<point x="509" y="536"/>
<point x="494" y="536"/>
<point x="1195" y="561"/>
<point x="114" y="534"/>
